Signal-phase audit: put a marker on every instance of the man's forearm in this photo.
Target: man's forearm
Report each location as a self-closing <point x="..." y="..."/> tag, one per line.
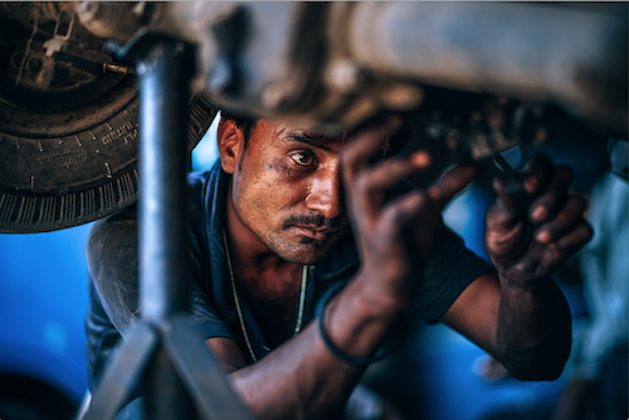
<point x="302" y="376"/>
<point x="533" y="333"/>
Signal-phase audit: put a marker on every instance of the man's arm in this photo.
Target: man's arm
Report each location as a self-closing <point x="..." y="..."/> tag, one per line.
<point x="526" y="329"/>
<point x="301" y="378"/>
<point x="518" y="314"/>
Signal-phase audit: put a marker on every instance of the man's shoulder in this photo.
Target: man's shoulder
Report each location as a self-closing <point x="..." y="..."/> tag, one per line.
<point x="126" y="219"/>
<point x="201" y="187"/>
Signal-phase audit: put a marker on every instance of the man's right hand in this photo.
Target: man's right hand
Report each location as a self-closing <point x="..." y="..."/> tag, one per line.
<point x="394" y="237"/>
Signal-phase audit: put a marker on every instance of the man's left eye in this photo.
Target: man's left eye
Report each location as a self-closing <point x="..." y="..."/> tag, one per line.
<point x="303" y="158"/>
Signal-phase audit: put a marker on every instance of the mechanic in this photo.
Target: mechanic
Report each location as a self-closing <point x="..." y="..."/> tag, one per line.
<point x="307" y="250"/>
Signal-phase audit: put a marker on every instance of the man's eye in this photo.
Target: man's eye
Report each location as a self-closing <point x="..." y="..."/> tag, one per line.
<point x="303" y="158"/>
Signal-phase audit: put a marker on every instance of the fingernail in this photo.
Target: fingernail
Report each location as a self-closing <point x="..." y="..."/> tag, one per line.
<point x="538" y="213"/>
<point x="420" y="159"/>
<point x="543" y="237"/>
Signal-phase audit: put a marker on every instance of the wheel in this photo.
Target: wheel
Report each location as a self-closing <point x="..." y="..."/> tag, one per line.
<point x="68" y="130"/>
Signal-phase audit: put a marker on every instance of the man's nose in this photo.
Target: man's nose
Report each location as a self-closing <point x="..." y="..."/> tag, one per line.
<point x="325" y="193"/>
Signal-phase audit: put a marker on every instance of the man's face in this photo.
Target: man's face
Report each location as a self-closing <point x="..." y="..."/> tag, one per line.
<point x="286" y="189"/>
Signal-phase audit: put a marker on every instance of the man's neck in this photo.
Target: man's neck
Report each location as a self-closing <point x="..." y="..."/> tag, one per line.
<point x="268" y="284"/>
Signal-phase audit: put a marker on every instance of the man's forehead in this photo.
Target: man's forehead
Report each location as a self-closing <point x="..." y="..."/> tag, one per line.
<point x="322" y="137"/>
<point x="314" y="136"/>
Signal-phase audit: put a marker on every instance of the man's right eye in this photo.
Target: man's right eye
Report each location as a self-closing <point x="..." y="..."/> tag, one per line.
<point x="303" y="158"/>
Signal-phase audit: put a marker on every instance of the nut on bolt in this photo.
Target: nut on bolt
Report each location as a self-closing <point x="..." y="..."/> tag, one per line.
<point x="117" y="68"/>
<point x="33" y="64"/>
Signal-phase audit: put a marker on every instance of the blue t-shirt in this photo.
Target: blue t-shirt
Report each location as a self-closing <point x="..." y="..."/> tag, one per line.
<point x="113" y="275"/>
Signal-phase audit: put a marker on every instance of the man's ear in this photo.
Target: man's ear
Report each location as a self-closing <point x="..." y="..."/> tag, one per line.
<point x="231" y="144"/>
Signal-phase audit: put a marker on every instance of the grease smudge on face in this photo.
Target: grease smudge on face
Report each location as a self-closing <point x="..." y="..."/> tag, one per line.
<point x="287" y="191"/>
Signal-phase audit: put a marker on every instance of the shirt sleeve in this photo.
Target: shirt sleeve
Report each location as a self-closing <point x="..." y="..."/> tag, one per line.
<point x="112" y="254"/>
<point x="205" y="316"/>
<point x="449" y="271"/>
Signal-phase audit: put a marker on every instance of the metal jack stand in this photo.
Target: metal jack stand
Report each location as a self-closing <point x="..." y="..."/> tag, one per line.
<point x="178" y="371"/>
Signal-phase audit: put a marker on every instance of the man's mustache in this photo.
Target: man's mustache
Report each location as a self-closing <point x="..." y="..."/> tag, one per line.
<point x="317" y="220"/>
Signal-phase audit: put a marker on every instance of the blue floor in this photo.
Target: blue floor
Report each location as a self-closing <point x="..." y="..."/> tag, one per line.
<point x="43" y="303"/>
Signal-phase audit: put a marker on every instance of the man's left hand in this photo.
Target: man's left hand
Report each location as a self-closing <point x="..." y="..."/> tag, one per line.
<point x="528" y="244"/>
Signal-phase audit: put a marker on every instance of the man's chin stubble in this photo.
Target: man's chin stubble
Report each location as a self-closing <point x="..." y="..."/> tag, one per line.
<point x="316" y="249"/>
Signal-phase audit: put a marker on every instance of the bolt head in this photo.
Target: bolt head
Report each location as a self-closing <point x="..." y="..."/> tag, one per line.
<point x="33" y="64"/>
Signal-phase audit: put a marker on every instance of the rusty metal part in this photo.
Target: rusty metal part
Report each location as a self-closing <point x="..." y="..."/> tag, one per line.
<point x="277" y="59"/>
<point x="109" y="20"/>
<point x="340" y="63"/>
<point x="357" y="58"/>
<point x="533" y="52"/>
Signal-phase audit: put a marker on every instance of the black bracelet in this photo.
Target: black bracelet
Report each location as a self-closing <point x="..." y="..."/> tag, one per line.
<point x="392" y="345"/>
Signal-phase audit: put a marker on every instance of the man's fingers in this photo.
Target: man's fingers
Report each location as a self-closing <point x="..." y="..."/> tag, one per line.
<point x="362" y="149"/>
<point x="547" y="204"/>
<point x="403" y="210"/>
<point x="556" y="252"/>
<point x="574" y="240"/>
<point x="536" y="176"/>
<point x="376" y="182"/>
<point x="451" y="183"/>
<point x="537" y="173"/>
<point x="571" y="213"/>
<point x="392" y="171"/>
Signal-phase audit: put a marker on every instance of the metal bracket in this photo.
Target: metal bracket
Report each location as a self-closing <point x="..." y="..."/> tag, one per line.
<point x="177" y="369"/>
<point x="194" y="363"/>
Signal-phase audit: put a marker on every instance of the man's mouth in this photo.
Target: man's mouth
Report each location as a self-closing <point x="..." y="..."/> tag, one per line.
<point x="319" y="233"/>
